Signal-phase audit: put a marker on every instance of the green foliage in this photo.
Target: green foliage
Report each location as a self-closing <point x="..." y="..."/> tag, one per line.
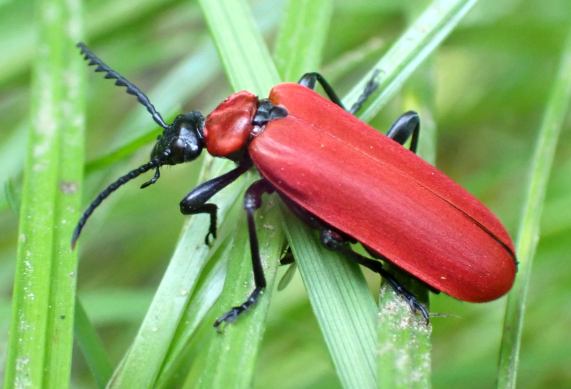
<point x="148" y="319"/>
<point x="540" y="170"/>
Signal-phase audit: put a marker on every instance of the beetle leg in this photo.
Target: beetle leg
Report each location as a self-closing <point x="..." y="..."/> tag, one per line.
<point x="252" y="201"/>
<point x="406" y="125"/>
<point x="196" y="201"/>
<point x="369" y="89"/>
<point x="309" y="79"/>
<point x="287" y="257"/>
<point x="335" y="241"/>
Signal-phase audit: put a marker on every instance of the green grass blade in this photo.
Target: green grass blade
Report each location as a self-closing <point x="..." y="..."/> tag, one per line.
<point x="242" y="50"/>
<point x="404" y="341"/>
<point x="44" y="290"/>
<point x="231" y="357"/>
<point x="18" y="43"/>
<point x="11" y="160"/>
<point x="342" y="303"/>
<point x="143" y="361"/>
<point x="412" y="48"/>
<point x="301" y="37"/>
<point x="529" y="231"/>
<point x="91" y="347"/>
<point x="204" y="299"/>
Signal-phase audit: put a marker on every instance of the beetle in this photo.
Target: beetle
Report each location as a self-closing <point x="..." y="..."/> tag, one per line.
<point x="340" y="176"/>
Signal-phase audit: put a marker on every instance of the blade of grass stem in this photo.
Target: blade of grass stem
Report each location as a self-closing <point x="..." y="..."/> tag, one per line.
<point x="41" y="333"/>
<point x="350" y="60"/>
<point x="143" y="361"/>
<point x="18" y="44"/>
<point x="232" y="355"/>
<point x="204" y="298"/>
<point x="91" y="347"/>
<point x="411" y="49"/>
<point x="11" y="159"/>
<point x="295" y="53"/>
<point x="342" y="303"/>
<point x="529" y="231"/>
<point x="242" y="50"/>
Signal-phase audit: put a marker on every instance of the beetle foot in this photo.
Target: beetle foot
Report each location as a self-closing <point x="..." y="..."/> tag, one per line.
<point x="415" y="305"/>
<point x="227" y="318"/>
<point x="287" y="257"/>
<point x="210" y="237"/>
<point x="232" y="314"/>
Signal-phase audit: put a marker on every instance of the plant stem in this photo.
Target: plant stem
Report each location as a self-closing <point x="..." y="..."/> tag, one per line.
<point x="529" y="232"/>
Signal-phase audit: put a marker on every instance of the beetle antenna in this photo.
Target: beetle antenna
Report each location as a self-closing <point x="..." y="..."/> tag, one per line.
<point x="132" y="89"/>
<point x="106" y="192"/>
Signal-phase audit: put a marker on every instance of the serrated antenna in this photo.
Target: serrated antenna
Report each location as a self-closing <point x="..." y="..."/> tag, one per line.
<point x="132" y="89"/>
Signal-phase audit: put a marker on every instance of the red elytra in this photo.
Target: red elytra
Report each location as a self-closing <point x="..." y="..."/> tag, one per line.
<point x="366" y="185"/>
<point x="383" y="195"/>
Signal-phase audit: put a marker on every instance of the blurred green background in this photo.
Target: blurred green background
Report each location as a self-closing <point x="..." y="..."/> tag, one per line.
<point x="491" y="78"/>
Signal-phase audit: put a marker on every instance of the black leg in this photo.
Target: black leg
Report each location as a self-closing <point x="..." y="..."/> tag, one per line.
<point x="309" y="79"/>
<point x="252" y="201"/>
<point x="370" y="88"/>
<point x="406" y="125"/>
<point x="335" y="241"/>
<point x="196" y="201"/>
<point x="287" y="257"/>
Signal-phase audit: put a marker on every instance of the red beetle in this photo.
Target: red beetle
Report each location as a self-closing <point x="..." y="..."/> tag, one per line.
<point x="341" y="176"/>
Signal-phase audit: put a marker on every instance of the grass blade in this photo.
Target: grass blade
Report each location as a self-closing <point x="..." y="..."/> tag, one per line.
<point x="412" y="48"/>
<point x="242" y="50"/>
<point x="342" y="303"/>
<point x="155" y="335"/>
<point x="294" y="53"/>
<point x="91" y="347"/>
<point x="44" y="290"/>
<point x="529" y="231"/>
<point x="11" y="160"/>
<point x="232" y="355"/>
<point x="181" y="351"/>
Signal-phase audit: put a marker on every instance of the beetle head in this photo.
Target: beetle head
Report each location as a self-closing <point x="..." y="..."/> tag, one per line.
<point x="180" y="142"/>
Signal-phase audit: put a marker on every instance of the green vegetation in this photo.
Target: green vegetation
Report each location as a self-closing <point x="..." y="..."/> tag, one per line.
<point x="491" y="82"/>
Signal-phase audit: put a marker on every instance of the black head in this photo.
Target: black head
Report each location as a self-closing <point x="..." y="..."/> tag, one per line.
<point x="180" y="142"/>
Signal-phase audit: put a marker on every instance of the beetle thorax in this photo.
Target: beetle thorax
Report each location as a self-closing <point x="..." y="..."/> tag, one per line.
<point x="228" y="127"/>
